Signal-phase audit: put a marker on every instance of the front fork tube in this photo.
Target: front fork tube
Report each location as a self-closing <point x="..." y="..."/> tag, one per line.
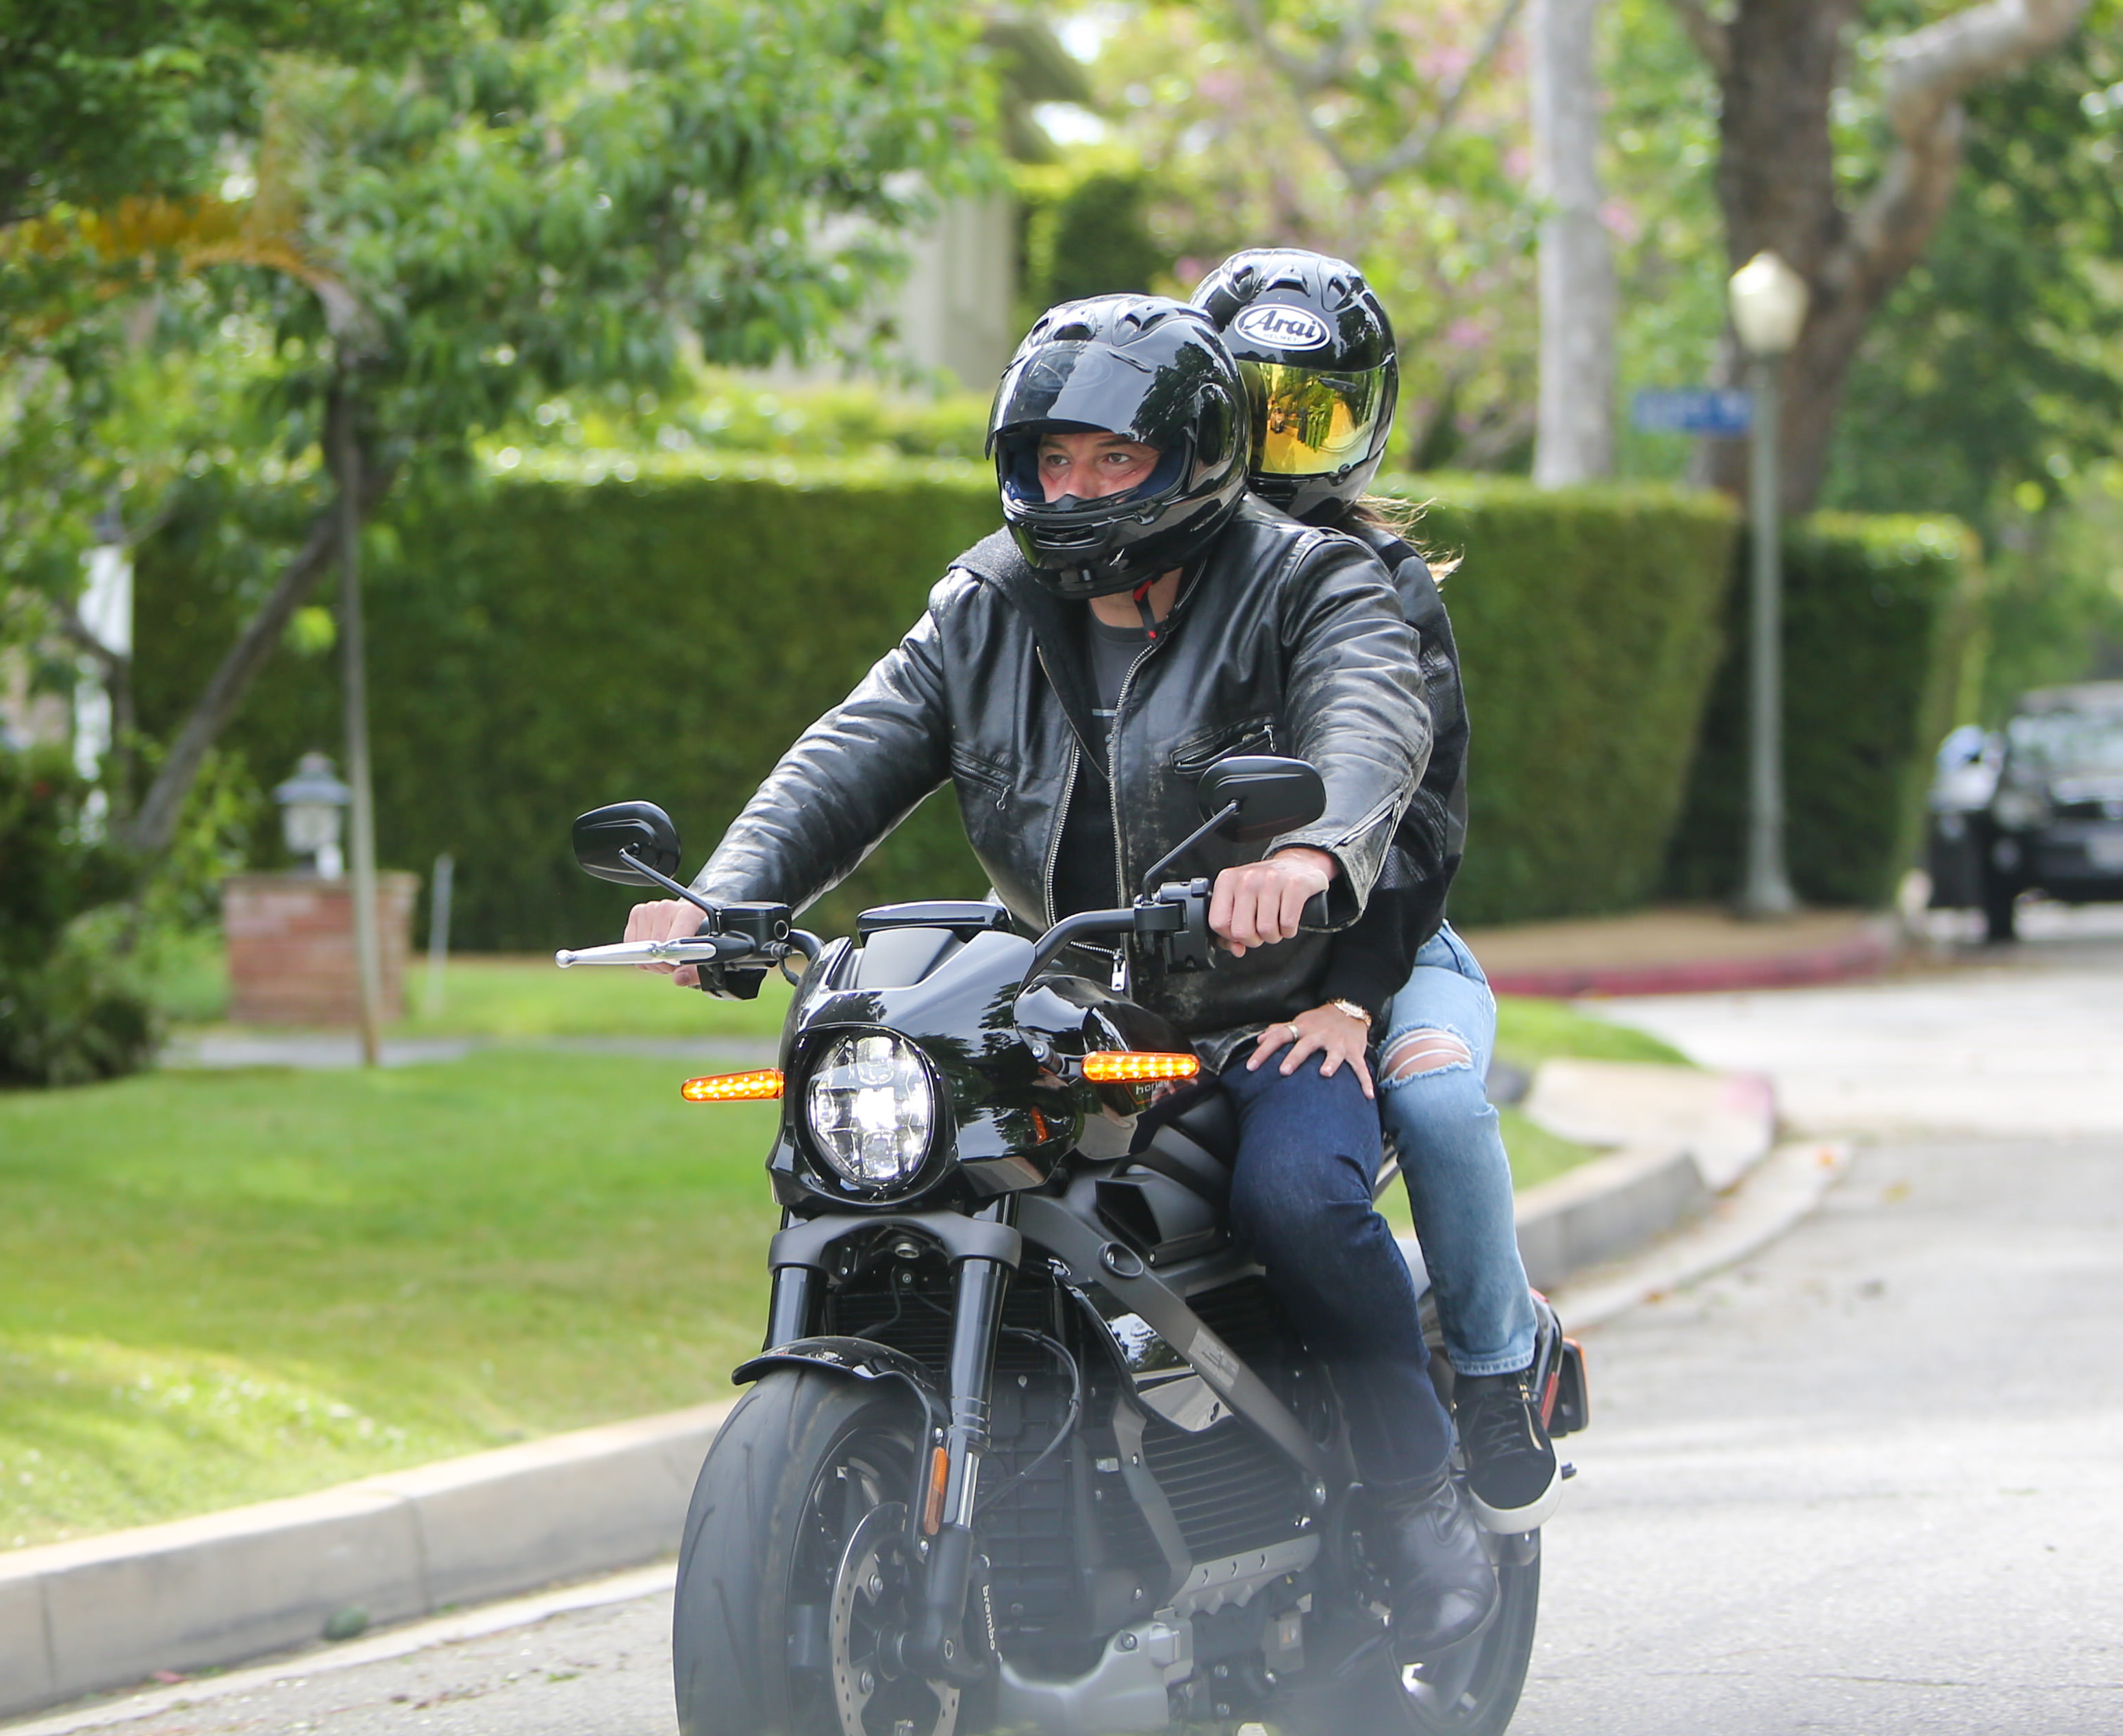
<point x="937" y="1647"/>
<point x="788" y="1313"/>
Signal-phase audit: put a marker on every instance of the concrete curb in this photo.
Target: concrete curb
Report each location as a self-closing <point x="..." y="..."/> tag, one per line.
<point x="1604" y="1208"/>
<point x="1867" y="954"/>
<point x="1769" y="1201"/>
<point x="398" y="1642"/>
<point x="104" y="1612"/>
<point x="197" y="1593"/>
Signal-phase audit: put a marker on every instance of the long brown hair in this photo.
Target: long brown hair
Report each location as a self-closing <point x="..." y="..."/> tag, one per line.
<point x="1399" y="517"/>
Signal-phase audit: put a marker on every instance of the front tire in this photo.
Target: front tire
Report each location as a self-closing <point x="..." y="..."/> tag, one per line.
<point x="792" y="1574"/>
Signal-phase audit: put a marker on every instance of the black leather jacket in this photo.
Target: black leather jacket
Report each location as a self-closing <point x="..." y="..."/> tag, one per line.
<point x="1286" y="639"/>
<point x="1372" y="959"/>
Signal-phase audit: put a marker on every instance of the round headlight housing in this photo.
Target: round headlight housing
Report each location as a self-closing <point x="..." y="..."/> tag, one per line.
<point x="871" y="1110"/>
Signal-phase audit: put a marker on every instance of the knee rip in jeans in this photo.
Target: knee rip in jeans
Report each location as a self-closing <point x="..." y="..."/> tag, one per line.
<point x="1422" y="1051"/>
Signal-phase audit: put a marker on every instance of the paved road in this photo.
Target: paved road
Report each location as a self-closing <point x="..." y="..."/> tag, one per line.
<point x="2005" y="1040"/>
<point x="1866" y="1482"/>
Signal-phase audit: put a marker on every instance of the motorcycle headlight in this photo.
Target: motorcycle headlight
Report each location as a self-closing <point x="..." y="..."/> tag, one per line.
<point x="871" y="1110"/>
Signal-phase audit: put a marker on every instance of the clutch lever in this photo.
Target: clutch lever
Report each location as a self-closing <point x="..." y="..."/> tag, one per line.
<point x="693" y="949"/>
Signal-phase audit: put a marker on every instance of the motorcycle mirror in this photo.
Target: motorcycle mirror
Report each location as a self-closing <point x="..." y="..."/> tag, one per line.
<point x="639" y="829"/>
<point x="1272" y="794"/>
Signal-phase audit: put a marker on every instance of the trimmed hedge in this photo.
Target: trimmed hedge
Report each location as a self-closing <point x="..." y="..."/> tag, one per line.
<point x="541" y="643"/>
<point x="1586" y="621"/>
<point x="1879" y="619"/>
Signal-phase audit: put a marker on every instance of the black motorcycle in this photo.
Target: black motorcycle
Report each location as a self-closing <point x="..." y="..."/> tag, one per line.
<point x="1030" y="1446"/>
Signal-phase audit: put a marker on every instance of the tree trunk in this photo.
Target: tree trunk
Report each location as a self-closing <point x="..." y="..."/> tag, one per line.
<point x="1575" y="439"/>
<point x="151" y="829"/>
<point x="1778" y="64"/>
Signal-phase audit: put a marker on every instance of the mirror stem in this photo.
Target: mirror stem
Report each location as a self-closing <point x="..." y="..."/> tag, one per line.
<point x="1149" y="880"/>
<point x="691" y="896"/>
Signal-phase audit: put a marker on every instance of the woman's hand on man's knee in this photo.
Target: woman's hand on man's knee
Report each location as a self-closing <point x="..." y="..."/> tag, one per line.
<point x="1326" y="1032"/>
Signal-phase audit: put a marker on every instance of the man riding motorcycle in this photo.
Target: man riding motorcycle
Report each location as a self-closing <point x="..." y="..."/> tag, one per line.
<point x="1138" y="618"/>
<point x="1316" y="350"/>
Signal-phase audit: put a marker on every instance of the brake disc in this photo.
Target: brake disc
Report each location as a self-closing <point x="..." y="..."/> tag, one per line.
<point x="872" y="1606"/>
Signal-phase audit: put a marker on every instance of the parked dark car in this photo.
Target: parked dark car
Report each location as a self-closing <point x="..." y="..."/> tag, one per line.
<point x="2035" y="807"/>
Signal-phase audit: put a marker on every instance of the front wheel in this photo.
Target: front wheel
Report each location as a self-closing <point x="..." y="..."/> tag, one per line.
<point x="795" y="1582"/>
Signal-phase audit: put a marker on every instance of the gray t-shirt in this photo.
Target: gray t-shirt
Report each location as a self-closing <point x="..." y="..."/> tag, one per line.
<point x="1084" y="866"/>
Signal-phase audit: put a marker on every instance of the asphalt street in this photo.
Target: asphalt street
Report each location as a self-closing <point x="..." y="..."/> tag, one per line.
<point x="1865" y="1481"/>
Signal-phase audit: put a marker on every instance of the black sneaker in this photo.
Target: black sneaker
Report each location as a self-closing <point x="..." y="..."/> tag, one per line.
<point x="1512" y="1478"/>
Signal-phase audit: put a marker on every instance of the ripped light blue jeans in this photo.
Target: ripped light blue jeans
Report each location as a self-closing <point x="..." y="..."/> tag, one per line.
<point x="1440" y="1029"/>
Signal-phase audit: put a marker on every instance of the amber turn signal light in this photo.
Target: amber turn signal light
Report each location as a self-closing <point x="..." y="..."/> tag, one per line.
<point x="932" y="1508"/>
<point x="734" y="1088"/>
<point x="1126" y="1067"/>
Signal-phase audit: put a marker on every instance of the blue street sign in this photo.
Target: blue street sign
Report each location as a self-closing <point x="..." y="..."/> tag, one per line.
<point x="1723" y="415"/>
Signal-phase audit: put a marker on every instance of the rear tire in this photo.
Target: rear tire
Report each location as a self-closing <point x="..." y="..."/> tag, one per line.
<point x="1475" y="1694"/>
<point x="766" y="1639"/>
<point x="1472" y="1690"/>
<point x="2000" y="908"/>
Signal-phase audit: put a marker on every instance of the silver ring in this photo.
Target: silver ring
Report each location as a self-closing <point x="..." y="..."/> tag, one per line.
<point x="1296" y="1035"/>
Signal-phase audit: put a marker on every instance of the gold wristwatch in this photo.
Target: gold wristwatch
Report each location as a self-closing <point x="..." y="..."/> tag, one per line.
<point x="1353" y="1010"/>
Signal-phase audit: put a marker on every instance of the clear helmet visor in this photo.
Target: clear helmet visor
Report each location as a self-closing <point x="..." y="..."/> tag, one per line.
<point x="1310" y="423"/>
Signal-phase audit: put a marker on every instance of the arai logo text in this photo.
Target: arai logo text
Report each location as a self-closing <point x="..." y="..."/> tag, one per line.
<point x="1282" y="328"/>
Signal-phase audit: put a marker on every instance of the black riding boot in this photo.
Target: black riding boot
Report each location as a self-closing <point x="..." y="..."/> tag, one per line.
<point x="1444" y="1586"/>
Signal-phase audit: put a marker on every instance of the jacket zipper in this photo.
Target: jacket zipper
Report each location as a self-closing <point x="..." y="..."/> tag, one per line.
<point x="1121" y="894"/>
<point x="1061" y="820"/>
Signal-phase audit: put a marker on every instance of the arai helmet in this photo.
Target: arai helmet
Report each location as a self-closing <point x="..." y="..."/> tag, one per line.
<point x="1141" y="366"/>
<point x="1316" y="351"/>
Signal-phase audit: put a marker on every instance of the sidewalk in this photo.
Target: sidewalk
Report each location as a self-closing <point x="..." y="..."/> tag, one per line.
<point x="1683" y="949"/>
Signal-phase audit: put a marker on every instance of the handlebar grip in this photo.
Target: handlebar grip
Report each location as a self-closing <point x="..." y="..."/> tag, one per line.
<point x="1314" y="915"/>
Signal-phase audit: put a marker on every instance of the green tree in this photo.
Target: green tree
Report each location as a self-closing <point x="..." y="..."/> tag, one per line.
<point x="428" y="246"/>
<point x="1389" y="134"/>
<point x="100" y="99"/>
<point x="1998" y="371"/>
<point x="1842" y="130"/>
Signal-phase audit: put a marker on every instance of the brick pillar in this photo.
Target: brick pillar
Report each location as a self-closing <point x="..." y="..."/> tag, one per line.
<point x="291" y="947"/>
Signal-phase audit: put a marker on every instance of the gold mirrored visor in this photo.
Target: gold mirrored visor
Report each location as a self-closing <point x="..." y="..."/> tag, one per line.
<point x="1307" y="423"/>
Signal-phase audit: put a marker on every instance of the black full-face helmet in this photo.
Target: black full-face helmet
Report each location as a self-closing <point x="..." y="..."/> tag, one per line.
<point x="1141" y="366"/>
<point x="1316" y="350"/>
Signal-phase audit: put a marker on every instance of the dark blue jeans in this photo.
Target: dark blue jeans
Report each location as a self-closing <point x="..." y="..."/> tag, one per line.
<point x="1308" y="1148"/>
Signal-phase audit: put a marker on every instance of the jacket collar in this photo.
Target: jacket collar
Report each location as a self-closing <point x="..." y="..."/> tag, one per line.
<point x="1058" y="627"/>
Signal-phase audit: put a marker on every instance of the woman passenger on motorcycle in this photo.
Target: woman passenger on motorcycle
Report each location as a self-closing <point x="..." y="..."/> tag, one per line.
<point x="1138" y="618"/>
<point x="1317" y="353"/>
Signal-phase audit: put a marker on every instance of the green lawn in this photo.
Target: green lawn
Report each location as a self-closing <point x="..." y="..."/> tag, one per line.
<point x="216" y="1288"/>
<point x="1529" y="1031"/>
<point x="532" y="997"/>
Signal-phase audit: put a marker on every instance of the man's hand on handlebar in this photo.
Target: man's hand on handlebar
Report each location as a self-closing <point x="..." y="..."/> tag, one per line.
<point x="1262" y="902"/>
<point x="667" y="918"/>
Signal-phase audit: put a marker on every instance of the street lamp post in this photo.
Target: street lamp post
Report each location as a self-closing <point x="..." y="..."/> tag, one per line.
<point x="1769" y="303"/>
